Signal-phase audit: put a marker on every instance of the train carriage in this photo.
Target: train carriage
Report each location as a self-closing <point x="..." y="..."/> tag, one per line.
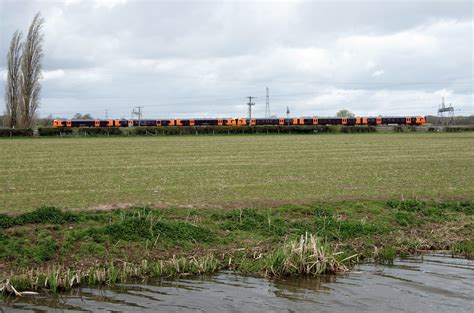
<point x="352" y="121"/>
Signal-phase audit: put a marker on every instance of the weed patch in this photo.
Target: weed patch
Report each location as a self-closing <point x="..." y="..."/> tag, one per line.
<point x="141" y="228"/>
<point x="251" y="220"/>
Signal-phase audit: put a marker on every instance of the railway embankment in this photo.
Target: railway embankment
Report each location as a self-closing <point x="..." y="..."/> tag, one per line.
<point x="52" y="249"/>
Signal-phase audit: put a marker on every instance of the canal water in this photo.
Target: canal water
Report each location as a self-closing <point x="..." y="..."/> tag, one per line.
<point x="432" y="283"/>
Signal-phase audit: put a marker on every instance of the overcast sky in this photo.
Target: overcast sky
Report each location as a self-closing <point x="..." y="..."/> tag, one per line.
<point x="202" y="58"/>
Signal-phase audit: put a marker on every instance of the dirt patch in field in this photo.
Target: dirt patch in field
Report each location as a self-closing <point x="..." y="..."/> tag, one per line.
<point x="255" y="203"/>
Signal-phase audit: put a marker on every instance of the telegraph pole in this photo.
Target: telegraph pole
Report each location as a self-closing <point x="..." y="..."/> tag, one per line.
<point x="250" y="104"/>
<point x="138" y="112"/>
<point x="267" y="106"/>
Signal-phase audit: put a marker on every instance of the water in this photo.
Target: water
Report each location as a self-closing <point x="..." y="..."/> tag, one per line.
<point x="434" y="283"/>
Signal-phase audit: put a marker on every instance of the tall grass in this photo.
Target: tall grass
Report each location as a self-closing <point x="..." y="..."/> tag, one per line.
<point x="304" y="257"/>
<point x="60" y="278"/>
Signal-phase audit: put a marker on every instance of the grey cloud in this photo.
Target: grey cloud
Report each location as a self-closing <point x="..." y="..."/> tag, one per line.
<point x="203" y="58"/>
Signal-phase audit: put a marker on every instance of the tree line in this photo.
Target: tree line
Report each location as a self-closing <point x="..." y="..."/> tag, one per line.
<point x="24" y="66"/>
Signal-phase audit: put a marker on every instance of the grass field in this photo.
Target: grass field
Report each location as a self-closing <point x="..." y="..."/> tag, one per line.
<point x="233" y="171"/>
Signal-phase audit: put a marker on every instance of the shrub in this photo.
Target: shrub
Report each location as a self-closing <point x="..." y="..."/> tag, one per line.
<point x="358" y="129"/>
<point x="95" y="131"/>
<point x="458" y="128"/>
<point x="49" y="131"/>
<point x="6" y="132"/>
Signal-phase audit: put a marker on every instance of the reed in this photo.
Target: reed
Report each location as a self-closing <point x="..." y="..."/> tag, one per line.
<point x="304" y="257"/>
<point x="59" y="278"/>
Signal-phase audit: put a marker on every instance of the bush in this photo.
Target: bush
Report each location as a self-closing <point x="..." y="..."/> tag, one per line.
<point x="95" y="131"/>
<point x="49" y="131"/>
<point x="7" y="132"/>
<point x="358" y="129"/>
<point x="451" y="129"/>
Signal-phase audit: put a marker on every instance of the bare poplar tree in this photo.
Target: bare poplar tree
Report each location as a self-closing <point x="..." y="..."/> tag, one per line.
<point x="12" y="87"/>
<point x="31" y="71"/>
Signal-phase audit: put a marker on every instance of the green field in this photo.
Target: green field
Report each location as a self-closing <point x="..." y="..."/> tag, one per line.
<point x="233" y="171"/>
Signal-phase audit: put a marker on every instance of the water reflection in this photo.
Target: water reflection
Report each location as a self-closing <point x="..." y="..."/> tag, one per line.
<point x="434" y="283"/>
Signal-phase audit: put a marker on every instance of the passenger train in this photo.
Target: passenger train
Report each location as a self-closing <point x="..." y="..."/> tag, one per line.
<point x="371" y="121"/>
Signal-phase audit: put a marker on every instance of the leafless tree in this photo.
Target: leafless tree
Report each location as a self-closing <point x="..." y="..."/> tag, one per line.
<point x="12" y="87"/>
<point x="31" y="71"/>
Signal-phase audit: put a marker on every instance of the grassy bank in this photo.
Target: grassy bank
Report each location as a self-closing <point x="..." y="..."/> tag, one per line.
<point x="54" y="249"/>
<point x="233" y="171"/>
